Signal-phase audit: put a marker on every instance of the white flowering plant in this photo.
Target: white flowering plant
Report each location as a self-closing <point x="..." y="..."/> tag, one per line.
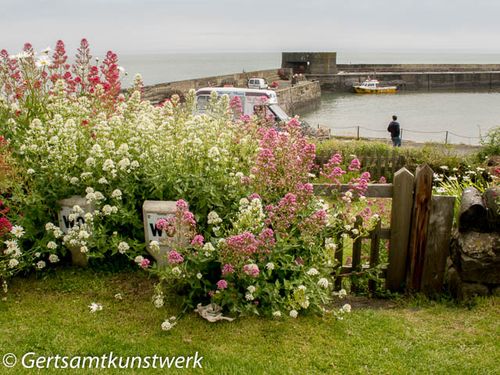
<point x="276" y="255"/>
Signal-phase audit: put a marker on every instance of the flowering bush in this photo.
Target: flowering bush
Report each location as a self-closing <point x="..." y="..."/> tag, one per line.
<point x="277" y="256"/>
<point x="254" y="238"/>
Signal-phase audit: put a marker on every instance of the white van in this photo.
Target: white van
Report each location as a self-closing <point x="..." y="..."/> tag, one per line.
<point x="257" y="83"/>
<point x="252" y="100"/>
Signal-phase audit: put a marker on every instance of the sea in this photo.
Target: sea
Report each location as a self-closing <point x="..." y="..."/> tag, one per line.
<point x="451" y="116"/>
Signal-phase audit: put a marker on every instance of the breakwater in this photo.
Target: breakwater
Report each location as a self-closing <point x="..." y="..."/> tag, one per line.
<point x="322" y="66"/>
<point x="292" y="98"/>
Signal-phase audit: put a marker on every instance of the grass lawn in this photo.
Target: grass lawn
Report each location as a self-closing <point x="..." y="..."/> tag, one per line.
<point x="51" y="316"/>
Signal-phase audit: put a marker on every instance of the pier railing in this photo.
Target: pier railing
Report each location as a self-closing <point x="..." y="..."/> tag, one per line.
<point x="358" y="132"/>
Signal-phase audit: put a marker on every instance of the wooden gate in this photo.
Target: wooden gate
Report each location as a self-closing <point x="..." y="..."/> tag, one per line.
<point x="419" y="234"/>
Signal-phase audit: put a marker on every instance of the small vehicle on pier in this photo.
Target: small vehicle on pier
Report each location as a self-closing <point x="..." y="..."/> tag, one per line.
<point x="372" y="86"/>
<point x="253" y="101"/>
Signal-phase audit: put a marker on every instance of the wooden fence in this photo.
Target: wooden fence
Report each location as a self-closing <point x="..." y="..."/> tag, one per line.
<point x="380" y="163"/>
<point x="419" y="234"/>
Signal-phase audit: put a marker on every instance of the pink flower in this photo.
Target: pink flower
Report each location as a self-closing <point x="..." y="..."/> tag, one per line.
<point x="222" y="284"/>
<point x="181" y="205"/>
<point x="188" y="218"/>
<point x="227" y="269"/>
<point x="251" y="269"/>
<point x="145" y="263"/>
<point x="382" y="180"/>
<point x="198" y="240"/>
<point x="355" y="165"/>
<point x="174" y="257"/>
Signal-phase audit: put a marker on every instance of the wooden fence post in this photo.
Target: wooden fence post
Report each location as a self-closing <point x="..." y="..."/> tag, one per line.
<point x="402" y="203"/>
<point x="438" y="243"/>
<point x="419" y="224"/>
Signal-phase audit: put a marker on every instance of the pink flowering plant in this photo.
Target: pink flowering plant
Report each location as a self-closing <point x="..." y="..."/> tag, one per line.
<point x="276" y="255"/>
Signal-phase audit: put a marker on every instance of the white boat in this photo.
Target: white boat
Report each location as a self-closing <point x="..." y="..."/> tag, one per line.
<point x="372" y="86"/>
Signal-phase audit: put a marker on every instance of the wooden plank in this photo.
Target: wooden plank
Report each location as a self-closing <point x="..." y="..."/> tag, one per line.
<point x="373" y="191"/>
<point x="438" y="244"/>
<point x="374" y="254"/>
<point x="419" y="224"/>
<point x="356" y="253"/>
<point x="402" y="203"/>
<point x="385" y="233"/>
<point x="339" y="256"/>
<point x="394" y="168"/>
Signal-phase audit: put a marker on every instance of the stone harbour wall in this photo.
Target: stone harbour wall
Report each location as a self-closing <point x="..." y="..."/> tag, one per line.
<point x="160" y="92"/>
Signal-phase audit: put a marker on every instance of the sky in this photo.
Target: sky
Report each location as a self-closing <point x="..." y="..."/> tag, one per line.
<point x="165" y="26"/>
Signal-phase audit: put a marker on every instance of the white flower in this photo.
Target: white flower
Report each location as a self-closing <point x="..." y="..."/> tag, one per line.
<point x="294" y="313"/>
<point x="154" y="246"/>
<point x="74" y="180"/>
<point x="30" y="171"/>
<point x="323" y="283"/>
<point x="176" y="271"/>
<point x="102" y="181"/>
<point x="84" y="249"/>
<point x="108" y="165"/>
<point x="355" y="231"/>
<point x="49" y="226"/>
<point x="199" y="276"/>
<point x="106" y="210"/>
<point x="214" y="153"/>
<point x="123" y="247"/>
<point x="13" y="263"/>
<point x="251" y="289"/>
<point x="17" y="231"/>
<point x="138" y="259"/>
<point x="53" y="258"/>
<point x="313" y="272"/>
<point x="90" y="162"/>
<point x="116" y="194"/>
<point x="346" y="308"/>
<point x="213" y="218"/>
<point x="249" y="296"/>
<point x="342" y="293"/>
<point x="277" y="314"/>
<point x="43" y="61"/>
<point x="444" y="167"/>
<point x="270" y="266"/>
<point x="305" y="304"/>
<point x="208" y="247"/>
<point x="83" y="234"/>
<point x="167" y="325"/>
<point x="94" y="307"/>
<point x="41" y="264"/>
<point x="158" y="301"/>
<point x="124" y="163"/>
<point x="301" y="287"/>
<point x="118" y="296"/>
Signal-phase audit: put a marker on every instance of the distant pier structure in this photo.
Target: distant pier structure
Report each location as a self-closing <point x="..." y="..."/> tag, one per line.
<point x="310" y="63"/>
<point x="323" y="67"/>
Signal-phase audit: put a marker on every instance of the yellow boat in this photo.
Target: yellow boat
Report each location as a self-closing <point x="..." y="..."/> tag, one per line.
<point x="371" y="86"/>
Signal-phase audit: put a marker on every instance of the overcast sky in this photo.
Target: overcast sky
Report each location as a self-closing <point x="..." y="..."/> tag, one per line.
<point x="159" y="26"/>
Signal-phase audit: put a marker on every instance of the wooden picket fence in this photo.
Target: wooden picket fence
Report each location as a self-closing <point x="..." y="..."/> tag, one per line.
<point x="419" y="234"/>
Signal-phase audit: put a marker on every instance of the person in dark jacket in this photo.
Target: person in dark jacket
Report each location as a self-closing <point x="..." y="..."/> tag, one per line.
<point x="395" y="131"/>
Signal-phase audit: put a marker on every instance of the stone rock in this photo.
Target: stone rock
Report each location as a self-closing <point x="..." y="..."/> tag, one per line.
<point x="471" y="290"/>
<point x="453" y="281"/>
<point x="476" y="256"/>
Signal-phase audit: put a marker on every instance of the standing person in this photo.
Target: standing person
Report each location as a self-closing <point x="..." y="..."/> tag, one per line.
<point x="395" y="131"/>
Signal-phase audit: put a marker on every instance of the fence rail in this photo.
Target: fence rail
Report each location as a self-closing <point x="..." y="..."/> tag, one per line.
<point x="357" y="133"/>
<point x="419" y="234"/>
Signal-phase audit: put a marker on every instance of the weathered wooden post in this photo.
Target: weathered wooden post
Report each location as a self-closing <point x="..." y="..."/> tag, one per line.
<point x="419" y="224"/>
<point x="356" y="254"/>
<point x="402" y="203"/>
<point x="438" y="243"/>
